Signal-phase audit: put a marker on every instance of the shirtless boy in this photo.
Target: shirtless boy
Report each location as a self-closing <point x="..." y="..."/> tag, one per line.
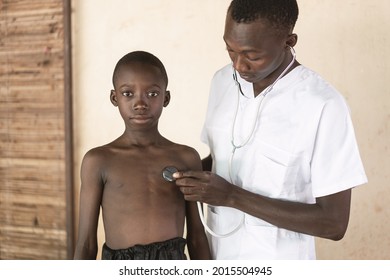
<point x="143" y="214"/>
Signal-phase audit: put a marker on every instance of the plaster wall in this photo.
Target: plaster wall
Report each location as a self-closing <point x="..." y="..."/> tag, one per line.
<point x="347" y="42"/>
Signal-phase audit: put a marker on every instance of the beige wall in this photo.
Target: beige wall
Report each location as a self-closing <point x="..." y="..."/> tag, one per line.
<point x="345" y="41"/>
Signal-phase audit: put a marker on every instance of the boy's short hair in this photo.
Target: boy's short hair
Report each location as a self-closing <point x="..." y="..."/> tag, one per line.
<point x="143" y="57"/>
<point x="282" y="14"/>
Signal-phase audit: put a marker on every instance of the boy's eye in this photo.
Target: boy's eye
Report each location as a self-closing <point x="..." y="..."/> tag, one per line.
<point x="152" y="94"/>
<point x="127" y="93"/>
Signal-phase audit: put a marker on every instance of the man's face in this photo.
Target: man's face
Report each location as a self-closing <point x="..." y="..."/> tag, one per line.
<point x="255" y="49"/>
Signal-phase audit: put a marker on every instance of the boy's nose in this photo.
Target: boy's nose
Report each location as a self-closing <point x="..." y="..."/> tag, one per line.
<point x="140" y="104"/>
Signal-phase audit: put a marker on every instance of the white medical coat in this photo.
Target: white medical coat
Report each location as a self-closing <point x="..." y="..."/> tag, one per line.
<point x="303" y="147"/>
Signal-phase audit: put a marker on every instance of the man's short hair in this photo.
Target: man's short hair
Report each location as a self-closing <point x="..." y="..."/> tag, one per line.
<point x="282" y="14"/>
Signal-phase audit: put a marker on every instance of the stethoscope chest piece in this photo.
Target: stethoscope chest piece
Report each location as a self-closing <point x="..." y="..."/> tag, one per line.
<point x="167" y="173"/>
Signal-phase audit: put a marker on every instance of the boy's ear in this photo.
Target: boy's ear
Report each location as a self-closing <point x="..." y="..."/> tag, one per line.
<point x="113" y="98"/>
<point x="167" y="98"/>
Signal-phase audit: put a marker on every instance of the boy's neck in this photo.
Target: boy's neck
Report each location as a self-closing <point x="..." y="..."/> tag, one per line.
<point x="142" y="138"/>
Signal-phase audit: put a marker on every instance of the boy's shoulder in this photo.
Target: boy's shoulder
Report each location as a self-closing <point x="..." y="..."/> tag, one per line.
<point x="176" y="145"/>
<point x="182" y="148"/>
<point x="187" y="153"/>
<point x="105" y="149"/>
<point x="98" y="153"/>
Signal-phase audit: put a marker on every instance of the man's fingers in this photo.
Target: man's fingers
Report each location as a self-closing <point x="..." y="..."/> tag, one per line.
<point x="192" y="190"/>
<point x="187" y="174"/>
<point x="190" y="196"/>
<point x="187" y="182"/>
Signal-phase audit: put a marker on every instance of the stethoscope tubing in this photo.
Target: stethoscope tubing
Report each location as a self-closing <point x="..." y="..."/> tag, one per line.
<point x="168" y="171"/>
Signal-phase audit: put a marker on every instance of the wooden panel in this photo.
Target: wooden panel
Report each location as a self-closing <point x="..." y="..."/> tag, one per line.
<point x="33" y="216"/>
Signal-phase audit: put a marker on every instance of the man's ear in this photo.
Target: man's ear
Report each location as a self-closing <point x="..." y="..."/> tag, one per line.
<point x="113" y="98"/>
<point x="167" y="98"/>
<point x="292" y="40"/>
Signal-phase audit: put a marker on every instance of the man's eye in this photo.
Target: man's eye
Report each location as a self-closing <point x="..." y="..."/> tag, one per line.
<point x="152" y="94"/>
<point x="253" y="58"/>
<point x="230" y="52"/>
<point x="127" y="93"/>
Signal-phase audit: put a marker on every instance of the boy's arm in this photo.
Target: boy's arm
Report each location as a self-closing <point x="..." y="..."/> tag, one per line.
<point x="207" y="163"/>
<point x="197" y="244"/>
<point x="90" y="199"/>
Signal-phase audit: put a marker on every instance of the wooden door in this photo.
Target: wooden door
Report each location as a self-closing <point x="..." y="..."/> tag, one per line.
<point x="36" y="211"/>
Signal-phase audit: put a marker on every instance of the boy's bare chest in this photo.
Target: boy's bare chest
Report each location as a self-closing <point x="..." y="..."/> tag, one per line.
<point x="133" y="172"/>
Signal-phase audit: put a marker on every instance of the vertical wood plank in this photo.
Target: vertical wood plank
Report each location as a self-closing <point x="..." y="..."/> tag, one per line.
<point x="33" y="170"/>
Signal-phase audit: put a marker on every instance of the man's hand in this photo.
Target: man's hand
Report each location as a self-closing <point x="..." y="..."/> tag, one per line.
<point x="204" y="186"/>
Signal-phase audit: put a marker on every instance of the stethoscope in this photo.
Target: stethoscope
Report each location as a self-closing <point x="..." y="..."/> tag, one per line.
<point x="167" y="173"/>
<point x="259" y="107"/>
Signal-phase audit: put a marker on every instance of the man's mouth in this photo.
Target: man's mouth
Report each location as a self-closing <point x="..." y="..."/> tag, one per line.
<point x="246" y="76"/>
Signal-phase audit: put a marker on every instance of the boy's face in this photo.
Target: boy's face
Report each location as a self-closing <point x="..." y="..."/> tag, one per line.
<point x="256" y="49"/>
<point x="140" y="94"/>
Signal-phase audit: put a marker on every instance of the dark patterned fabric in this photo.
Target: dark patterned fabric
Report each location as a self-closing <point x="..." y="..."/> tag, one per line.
<point x="172" y="249"/>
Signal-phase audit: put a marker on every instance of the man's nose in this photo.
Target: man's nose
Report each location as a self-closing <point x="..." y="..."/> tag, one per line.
<point x="240" y="64"/>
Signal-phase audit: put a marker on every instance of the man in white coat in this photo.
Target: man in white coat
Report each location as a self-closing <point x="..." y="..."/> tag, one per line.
<point x="283" y="153"/>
